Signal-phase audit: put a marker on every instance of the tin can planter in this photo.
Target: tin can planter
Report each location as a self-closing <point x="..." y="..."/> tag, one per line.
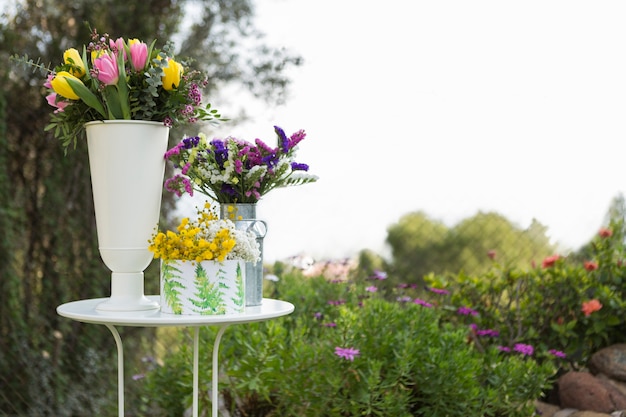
<point x="203" y="288"/>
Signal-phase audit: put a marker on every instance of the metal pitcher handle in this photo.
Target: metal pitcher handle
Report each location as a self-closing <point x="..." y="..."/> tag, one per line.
<point x="258" y="227"/>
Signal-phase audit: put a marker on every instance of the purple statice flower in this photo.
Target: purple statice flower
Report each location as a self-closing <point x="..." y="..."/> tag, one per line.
<point x="347" y="353"/>
<point x="263" y="147"/>
<point x="173" y="151"/>
<point x="295" y="166"/>
<point x="190" y="142"/>
<point x="318" y="315"/>
<point x="504" y="348"/>
<point x="557" y="353"/>
<point x="423" y="303"/>
<point x="371" y="288"/>
<point x="296" y="138"/>
<point x="238" y="166"/>
<point x="330" y="324"/>
<point x="221" y="152"/>
<point x="283" y="142"/>
<point x="336" y="302"/>
<point x="403" y="286"/>
<point x="179" y="185"/>
<point x="379" y="275"/>
<point x="524" y="349"/>
<point x="466" y="311"/>
<point x="137" y="377"/>
<point x="404" y="299"/>
<point x="440" y="291"/>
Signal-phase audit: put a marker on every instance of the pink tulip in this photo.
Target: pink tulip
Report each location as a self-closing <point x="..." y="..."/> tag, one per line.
<point x="108" y="72"/>
<point x="117" y="46"/>
<point x="52" y="100"/>
<point x="48" y="79"/>
<point x="138" y="55"/>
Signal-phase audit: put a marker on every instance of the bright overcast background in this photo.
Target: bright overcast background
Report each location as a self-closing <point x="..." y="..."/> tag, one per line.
<point x="449" y="107"/>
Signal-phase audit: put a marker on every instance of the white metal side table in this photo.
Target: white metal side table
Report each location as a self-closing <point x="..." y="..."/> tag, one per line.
<point x="85" y="311"/>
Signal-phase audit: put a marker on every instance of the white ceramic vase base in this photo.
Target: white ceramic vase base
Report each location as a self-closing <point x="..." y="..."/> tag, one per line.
<point x="127" y="294"/>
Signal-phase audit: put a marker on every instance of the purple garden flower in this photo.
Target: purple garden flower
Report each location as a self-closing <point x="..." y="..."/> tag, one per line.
<point x="423" y="303"/>
<point x="524" y="349"/>
<point x="379" y="275"/>
<point x="371" y="289"/>
<point x="439" y="291"/>
<point x="466" y="311"/>
<point x="557" y="353"/>
<point x="488" y="333"/>
<point x="347" y="353"/>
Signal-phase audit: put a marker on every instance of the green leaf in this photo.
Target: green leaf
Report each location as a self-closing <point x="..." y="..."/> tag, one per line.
<point x="87" y="96"/>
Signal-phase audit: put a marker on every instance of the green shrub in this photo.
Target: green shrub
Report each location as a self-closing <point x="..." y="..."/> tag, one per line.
<point x="572" y="305"/>
<point x="407" y="360"/>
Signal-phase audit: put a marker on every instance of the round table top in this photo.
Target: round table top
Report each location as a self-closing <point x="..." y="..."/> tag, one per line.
<point x="85" y="311"/>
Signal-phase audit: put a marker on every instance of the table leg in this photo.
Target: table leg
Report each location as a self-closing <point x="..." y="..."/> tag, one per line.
<point x="215" y="371"/>
<point x="120" y="369"/>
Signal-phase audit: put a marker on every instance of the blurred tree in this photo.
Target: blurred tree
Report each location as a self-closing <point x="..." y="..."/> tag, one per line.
<point x="48" y="248"/>
<point x="615" y="220"/>
<point x="420" y="245"/>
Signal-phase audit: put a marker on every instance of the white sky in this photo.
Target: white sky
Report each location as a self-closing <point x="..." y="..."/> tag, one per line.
<point x="450" y="107"/>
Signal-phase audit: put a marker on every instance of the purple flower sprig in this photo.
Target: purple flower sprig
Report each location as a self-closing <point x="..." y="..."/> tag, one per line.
<point x="347" y="353"/>
<point x="231" y="170"/>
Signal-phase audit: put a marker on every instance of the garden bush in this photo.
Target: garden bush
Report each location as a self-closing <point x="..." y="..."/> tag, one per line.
<point x="572" y="305"/>
<point x="349" y="351"/>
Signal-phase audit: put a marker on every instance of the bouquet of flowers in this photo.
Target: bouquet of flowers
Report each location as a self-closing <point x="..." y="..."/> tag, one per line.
<point x="204" y="239"/>
<point x="236" y="171"/>
<point x="120" y="79"/>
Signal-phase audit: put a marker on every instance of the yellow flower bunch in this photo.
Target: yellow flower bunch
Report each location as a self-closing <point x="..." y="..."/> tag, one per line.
<point x="205" y="239"/>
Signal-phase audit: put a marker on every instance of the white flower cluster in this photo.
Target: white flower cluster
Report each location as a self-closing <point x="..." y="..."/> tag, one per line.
<point x="246" y="248"/>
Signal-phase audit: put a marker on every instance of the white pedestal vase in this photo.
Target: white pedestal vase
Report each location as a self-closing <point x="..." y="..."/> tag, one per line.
<point x="127" y="168"/>
<point x="244" y="217"/>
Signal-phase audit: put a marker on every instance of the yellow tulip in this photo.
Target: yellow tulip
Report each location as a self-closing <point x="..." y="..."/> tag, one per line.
<point x="72" y="57"/>
<point x="60" y="85"/>
<point x="173" y="73"/>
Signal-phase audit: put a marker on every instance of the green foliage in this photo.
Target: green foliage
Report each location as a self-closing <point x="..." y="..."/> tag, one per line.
<point x="411" y="361"/>
<point x="421" y="245"/>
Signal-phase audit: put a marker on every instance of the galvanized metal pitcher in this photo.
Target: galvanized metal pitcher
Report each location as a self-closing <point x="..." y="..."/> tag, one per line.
<point x="244" y="217"/>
